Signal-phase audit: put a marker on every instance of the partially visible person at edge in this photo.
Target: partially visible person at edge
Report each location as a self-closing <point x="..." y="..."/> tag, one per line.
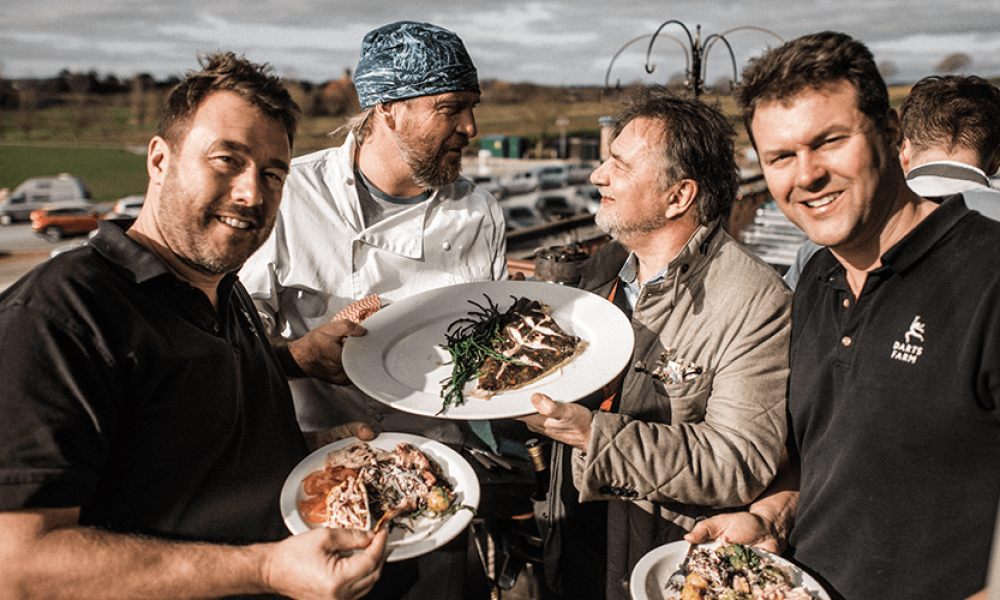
<point x="890" y="489"/>
<point x="387" y="213"/>
<point x="665" y="451"/>
<point x="147" y="426"/>
<point x="951" y="145"/>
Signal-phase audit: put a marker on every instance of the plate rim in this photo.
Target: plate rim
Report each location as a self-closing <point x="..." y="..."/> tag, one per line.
<point x="457" y="469"/>
<point x="516" y="403"/>
<point x="642" y="570"/>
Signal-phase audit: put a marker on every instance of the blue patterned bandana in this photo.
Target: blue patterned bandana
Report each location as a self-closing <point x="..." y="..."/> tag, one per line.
<point x="407" y="59"/>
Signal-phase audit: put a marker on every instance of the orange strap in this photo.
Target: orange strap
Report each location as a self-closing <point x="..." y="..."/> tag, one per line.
<point x="609" y="400"/>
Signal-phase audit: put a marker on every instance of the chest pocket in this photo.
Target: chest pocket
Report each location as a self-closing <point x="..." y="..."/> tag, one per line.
<point x="687" y="400"/>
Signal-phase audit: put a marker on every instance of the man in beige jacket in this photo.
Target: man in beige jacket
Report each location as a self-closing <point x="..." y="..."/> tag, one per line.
<point x="699" y="424"/>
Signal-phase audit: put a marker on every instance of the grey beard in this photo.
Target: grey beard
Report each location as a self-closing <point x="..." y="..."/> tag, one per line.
<point x="430" y="172"/>
<point x="627" y="232"/>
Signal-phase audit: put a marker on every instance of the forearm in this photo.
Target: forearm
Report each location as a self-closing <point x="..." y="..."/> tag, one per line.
<point x="778" y="504"/>
<point x="77" y="563"/>
<point x="285" y="359"/>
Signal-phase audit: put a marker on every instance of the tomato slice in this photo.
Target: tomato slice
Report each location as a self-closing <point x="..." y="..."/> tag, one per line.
<point x="319" y="483"/>
<point x="314" y="509"/>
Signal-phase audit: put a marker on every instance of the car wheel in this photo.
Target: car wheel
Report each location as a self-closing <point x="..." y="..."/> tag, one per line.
<point x="6" y="219"/>
<point x="53" y="234"/>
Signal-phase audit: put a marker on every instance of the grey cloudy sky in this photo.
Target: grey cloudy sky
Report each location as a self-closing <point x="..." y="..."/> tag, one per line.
<point x="557" y="42"/>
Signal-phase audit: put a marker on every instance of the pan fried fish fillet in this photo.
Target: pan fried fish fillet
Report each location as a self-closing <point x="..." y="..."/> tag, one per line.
<point x="535" y="344"/>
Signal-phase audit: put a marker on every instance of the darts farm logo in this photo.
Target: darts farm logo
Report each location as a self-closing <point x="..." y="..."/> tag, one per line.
<point x="909" y="350"/>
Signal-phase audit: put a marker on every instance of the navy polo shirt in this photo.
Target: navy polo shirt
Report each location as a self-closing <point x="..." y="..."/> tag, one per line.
<point x="127" y="394"/>
<point x="893" y="411"/>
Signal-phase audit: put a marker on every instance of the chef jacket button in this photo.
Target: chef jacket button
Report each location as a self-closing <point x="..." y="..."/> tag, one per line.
<point x="446" y="246"/>
<point x="379" y="417"/>
<point x="684" y="268"/>
<point x="846" y="340"/>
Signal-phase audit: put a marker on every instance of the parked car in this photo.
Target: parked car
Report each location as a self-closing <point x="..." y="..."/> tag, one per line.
<point x="555" y="207"/>
<point x="521" y="182"/>
<point x="129" y="206"/>
<point x="579" y="173"/>
<point x="553" y="176"/>
<point x="38" y="192"/>
<point x="491" y="184"/>
<point x="60" y="220"/>
<point x="519" y="217"/>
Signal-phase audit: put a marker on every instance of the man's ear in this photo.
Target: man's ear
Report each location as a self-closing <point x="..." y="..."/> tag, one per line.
<point x="906" y="155"/>
<point x="994" y="163"/>
<point x="387" y="112"/>
<point x="681" y="197"/>
<point x="157" y="159"/>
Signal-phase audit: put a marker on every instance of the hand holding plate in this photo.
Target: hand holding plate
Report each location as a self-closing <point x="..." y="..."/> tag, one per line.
<point x="320" y="564"/>
<point x="563" y="422"/>
<point x="318" y="353"/>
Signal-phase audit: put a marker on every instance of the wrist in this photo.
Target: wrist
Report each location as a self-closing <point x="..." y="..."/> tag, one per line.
<point x="286" y="358"/>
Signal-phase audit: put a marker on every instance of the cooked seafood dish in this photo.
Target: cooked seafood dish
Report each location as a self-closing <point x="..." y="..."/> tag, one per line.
<point x="506" y="351"/>
<point x="735" y="572"/>
<point x="364" y="487"/>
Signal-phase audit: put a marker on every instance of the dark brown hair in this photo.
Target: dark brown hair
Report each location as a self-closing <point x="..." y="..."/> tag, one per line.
<point x="227" y="72"/>
<point x="953" y="112"/>
<point x="697" y="143"/>
<point x="813" y="62"/>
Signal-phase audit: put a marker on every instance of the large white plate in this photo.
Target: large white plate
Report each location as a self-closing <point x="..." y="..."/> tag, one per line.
<point x="428" y="534"/>
<point x="649" y="578"/>
<point x="401" y="360"/>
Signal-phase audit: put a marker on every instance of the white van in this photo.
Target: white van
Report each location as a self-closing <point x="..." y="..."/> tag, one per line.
<point x="37" y="192"/>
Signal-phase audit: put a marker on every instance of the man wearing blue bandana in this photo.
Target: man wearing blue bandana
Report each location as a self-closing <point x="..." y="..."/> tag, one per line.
<point x="388" y="214"/>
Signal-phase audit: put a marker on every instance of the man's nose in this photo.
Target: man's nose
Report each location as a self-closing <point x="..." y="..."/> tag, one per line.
<point x="810" y="170"/>
<point x="467" y="124"/>
<point x="598" y="177"/>
<point x="248" y="186"/>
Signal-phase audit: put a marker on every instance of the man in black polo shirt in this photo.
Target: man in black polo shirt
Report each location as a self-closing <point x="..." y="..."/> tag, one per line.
<point x="891" y="488"/>
<point x="146" y="425"/>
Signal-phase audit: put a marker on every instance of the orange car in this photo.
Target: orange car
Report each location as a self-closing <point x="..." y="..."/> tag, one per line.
<point x="56" y="222"/>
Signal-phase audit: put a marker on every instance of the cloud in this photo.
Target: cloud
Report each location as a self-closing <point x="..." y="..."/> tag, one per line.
<point x="568" y="42"/>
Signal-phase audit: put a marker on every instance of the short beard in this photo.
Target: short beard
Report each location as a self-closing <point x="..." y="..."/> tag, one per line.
<point x="188" y="241"/>
<point x="429" y="168"/>
<point x="626" y="233"/>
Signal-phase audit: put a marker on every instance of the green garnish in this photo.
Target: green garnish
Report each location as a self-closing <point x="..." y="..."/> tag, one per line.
<point x="470" y="342"/>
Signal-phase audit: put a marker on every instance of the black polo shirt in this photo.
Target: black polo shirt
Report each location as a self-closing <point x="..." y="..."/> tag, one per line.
<point x="127" y="394"/>
<point x="893" y="408"/>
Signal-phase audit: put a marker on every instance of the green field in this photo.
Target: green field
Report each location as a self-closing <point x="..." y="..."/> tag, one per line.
<point x="110" y="173"/>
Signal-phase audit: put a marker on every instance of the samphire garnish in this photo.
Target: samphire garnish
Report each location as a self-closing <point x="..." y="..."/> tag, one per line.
<point x="470" y="342"/>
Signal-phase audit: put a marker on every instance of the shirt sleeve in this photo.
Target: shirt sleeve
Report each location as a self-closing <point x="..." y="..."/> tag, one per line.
<point x="57" y="411"/>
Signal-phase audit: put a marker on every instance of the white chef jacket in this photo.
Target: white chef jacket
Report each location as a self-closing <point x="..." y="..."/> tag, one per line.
<point x="320" y="258"/>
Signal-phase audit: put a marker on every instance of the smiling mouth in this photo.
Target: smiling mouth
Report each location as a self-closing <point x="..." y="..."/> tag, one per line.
<point x="235" y="223"/>
<point x="821" y="202"/>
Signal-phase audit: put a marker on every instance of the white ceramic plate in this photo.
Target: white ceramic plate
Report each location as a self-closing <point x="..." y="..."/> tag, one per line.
<point x="401" y="360"/>
<point x="428" y="534"/>
<point x="649" y="578"/>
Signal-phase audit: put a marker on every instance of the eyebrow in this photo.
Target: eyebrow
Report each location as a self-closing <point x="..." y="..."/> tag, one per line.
<point x="245" y="149"/>
<point x="455" y="99"/>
